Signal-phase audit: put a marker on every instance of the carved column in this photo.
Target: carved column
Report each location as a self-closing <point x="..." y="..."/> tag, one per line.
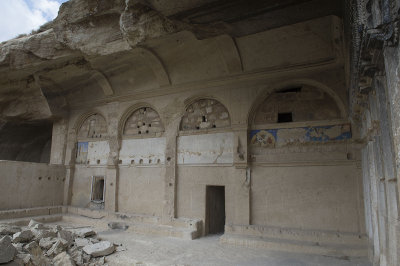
<point x="112" y="173"/>
<point x="171" y="134"/>
<point x="70" y="166"/>
<point x="242" y="213"/>
<point x="59" y="141"/>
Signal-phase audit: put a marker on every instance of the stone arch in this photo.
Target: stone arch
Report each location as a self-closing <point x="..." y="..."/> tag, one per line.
<point x="204" y="113"/>
<point x="140" y="120"/>
<point x="91" y="125"/>
<point x="314" y="89"/>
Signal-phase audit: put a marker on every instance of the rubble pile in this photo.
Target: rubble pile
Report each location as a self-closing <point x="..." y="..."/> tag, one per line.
<point x="39" y="244"/>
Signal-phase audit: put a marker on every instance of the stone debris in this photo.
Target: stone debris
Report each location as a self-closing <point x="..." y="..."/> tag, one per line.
<point x="23" y="236"/>
<point x="81" y="242"/>
<point x="85" y="232"/>
<point x="46" y="243"/>
<point x="39" y="234"/>
<point x="7" y="250"/>
<point x="35" y="225"/>
<point x="63" y="259"/>
<point x="117" y="225"/>
<point x="102" y="248"/>
<point x="38" y="244"/>
<point x="19" y="246"/>
<point x="58" y="247"/>
<point x="7" y="229"/>
<point x="67" y="235"/>
<point x="24" y="257"/>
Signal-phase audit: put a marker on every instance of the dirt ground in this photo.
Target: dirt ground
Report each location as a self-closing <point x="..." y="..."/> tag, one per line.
<point x="151" y="250"/>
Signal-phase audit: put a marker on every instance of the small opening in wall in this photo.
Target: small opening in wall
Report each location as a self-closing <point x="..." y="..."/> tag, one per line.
<point x="97" y="189"/>
<point x="204" y="118"/>
<point x="132" y="161"/>
<point x="98" y="161"/>
<point x="147" y="131"/>
<point x="149" y="125"/>
<point x="141" y="161"/>
<point x="197" y="127"/>
<point x="138" y="126"/>
<point x="285" y="117"/>
<point x="288" y="90"/>
<point x="49" y="178"/>
<point x="169" y="159"/>
<point x="214" y="126"/>
<point x="144" y="123"/>
<point x="140" y="132"/>
<point x="40" y="178"/>
<point x="150" y="161"/>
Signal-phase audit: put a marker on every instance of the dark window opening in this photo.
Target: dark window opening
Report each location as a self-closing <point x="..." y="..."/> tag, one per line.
<point x="288" y="90"/>
<point x="285" y="117"/>
<point x="204" y="118"/>
<point x="97" y="189"/>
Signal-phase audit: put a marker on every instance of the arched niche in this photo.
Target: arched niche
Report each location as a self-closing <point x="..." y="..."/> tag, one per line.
<point x="298" y="103"/>
<point x="93" y="127"/>
<point x="142" y="121"/>
<point x="92" y="146"/>
<point x="205" y="114"/>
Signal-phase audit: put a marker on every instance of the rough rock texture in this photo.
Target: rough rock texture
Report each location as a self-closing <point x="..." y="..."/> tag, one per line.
<point x="85" y="232"/>
<point x="66" y="235"/>
<point x="81" y="242"/>
<point x="23" y="236"/>
<point x="6" y="229"/>
<point x="59" y="246"/>
<point x="63" y="259"/>
<point x="46" y="243"/>
<point x="7" y="250"/>
<point x="102" y="248"/>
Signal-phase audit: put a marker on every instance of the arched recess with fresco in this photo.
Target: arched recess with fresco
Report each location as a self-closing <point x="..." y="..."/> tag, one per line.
<point x="299" y="145"/>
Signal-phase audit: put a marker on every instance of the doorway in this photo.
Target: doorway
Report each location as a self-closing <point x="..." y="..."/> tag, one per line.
<point x="215" y="209"/>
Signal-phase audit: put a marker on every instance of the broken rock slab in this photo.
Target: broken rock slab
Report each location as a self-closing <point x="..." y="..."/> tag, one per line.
<point x="63" y="259"/>
<point x="39" y="234"/>
<point x="85" y="232"/>
<point x="7" y="229"/>
<point x="102" y="248"/>
<point x="59" y="246"/>
<point x="33" y="249"/>
<point x="117" y="225"/>
<point x="35" y="225"/>
<point x="81" y="242"/>
<point x="47" y="242"/>
<point x="67" y="235"/>
<point x="23" y="236"/>
<point x="7" y="250"/>
<point x="24" y="257"/>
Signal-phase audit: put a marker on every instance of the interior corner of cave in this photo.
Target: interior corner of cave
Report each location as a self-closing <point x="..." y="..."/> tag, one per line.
<point x="202" y="132"/>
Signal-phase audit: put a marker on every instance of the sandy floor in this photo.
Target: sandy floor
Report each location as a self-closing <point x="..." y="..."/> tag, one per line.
<point x="150" y="250"/>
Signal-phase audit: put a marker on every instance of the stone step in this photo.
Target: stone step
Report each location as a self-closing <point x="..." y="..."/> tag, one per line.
<point x="24" y="221"/>
<point x="134" y="226"/>
<point x="96" y="214"/>
<point x="295" y="245"/>
<point x="30" y="212"/>
<point x="321" y="237"/>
